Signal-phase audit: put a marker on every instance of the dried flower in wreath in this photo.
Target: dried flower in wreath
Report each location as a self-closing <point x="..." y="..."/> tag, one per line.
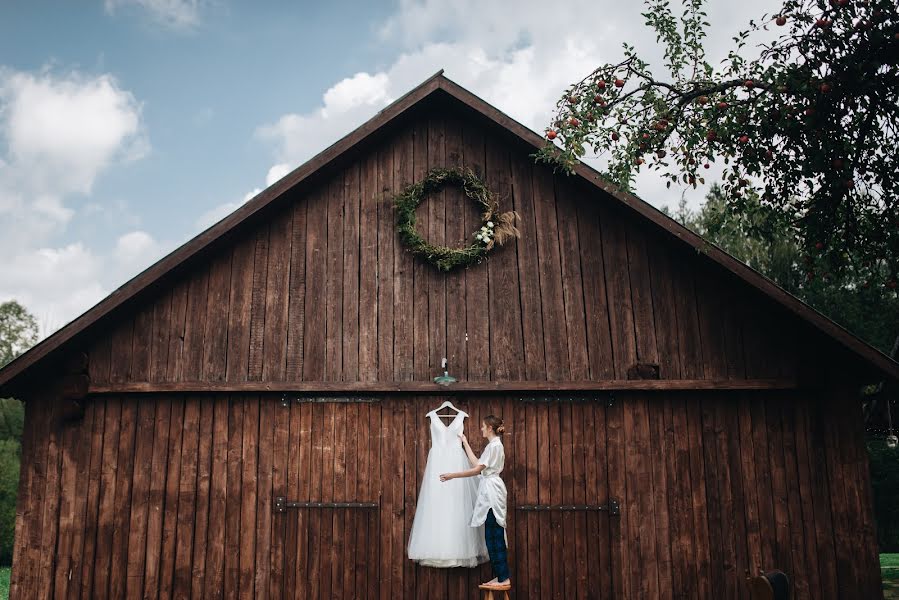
<point x="496" y="228"/>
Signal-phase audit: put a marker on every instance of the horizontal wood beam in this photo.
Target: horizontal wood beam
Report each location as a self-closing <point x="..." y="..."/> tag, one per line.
<point x="427" y="387"/>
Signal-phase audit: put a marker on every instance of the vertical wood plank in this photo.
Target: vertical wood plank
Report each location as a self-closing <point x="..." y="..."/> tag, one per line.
<point x="457" y="208"/>
<point x="598" y="332"/>
<point x="351" y="271"/>
<point x="403" y="267"/>
<point x="156" y="498"/>
<point x="640" y="278"/>
<point x="368" y="270"/>
<point x="436" y="207"/>
<point x="187" y="496"/>
<point x="386" y="239"/>
<point x="264" y="495"/>
<point x="240" y="302"/>
<point x="504" y="304"/>
<point x="202" y="511"/>
<point x="549" y="268"/>
<point x="140" y="496"/>
<point x="824" y="535"/>
<point x="72" y="464"/>
<point x="421" y="356"/>
<point x="618" y="292"/>
<point x="258" y="304"/>
<point x="702" y="539"/>
<point x="477" y="285"/>
<point x="661" y="456"/>
<point x="619" y="529"/>
<point x="97" y="412"/>
<point x="314" y="336"/>
<point x="218" y="501"/>
<point x="234" y="500"/>
<point x="195" y="327"/>
<point x="296" y="312"/>
<point x="277" y="301"/>
<point x="215" y="338"/>
<point x="573" y="288"/>
<point x="106" y="515"/>
<point x="248" y="496"/>
<point x="664" y="304"/>
<point x="334" y="280"/>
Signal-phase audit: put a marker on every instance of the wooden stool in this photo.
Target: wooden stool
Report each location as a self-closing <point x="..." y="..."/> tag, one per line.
<point x="488" y="592"/>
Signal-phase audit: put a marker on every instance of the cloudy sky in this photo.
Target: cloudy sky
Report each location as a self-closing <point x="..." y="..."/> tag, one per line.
<point x="129" y="126"/>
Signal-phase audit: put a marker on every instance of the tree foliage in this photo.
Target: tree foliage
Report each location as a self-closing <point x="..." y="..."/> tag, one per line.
<point x="806" y="132"/>
<point x="18" y="331"/>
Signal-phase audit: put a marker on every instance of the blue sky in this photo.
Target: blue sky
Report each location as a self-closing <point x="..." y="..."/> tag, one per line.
<point x="128" y="126"/>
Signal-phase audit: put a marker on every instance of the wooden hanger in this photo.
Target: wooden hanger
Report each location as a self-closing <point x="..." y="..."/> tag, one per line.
<point x="448" y="404"/>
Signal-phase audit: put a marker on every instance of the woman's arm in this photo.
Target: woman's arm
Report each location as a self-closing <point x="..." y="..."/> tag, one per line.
<point x="469" y="473"/>
<point x="468" y="451"/>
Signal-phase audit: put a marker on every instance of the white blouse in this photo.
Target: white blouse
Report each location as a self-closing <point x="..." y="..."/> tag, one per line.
<point x="491" y="489"/>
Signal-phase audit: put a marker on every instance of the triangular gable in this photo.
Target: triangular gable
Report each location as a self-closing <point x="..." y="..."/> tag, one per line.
<point x="435" y="84"/>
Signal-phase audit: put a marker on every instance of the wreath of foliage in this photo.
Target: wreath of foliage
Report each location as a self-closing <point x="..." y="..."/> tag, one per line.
<point x="495" y="228"/>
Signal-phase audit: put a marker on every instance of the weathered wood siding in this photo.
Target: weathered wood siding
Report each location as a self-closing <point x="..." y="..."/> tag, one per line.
<point x="323" y="291"/>
<point x="173" y="497"/>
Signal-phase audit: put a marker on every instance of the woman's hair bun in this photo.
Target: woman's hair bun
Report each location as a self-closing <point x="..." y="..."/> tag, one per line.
<point x="495" y="423"/>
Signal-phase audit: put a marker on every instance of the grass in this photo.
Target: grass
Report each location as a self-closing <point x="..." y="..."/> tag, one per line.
<point x="889" y="568"/>
<point x="4" y="582"/>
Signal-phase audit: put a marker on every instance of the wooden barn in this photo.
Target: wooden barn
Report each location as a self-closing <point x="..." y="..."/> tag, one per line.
<point x="246" y="418"/>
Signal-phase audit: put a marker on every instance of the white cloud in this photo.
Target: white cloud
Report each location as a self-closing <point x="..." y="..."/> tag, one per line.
<point x="60" y="132"/>
<point x="176" y="14"/>
<point x="276" y="173"/>
<point x="217" y="213"/>
<point x="519" y="55"/>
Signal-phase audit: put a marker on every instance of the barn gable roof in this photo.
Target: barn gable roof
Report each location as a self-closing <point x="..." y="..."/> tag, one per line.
<point x="437" y="84"/>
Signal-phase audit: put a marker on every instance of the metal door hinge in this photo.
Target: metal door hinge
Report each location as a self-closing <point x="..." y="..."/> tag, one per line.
<point x="612" y="507"/>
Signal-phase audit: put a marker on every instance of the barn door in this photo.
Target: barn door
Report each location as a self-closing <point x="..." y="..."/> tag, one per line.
<point x="327" y="517"/>
<point x="566" y="518"/>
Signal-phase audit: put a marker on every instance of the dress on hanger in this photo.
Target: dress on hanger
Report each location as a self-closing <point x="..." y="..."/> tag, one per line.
<point x="441" y="534"/>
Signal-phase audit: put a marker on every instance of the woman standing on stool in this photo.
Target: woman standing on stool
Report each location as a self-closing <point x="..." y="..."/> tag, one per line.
<point x="490" y="505"/>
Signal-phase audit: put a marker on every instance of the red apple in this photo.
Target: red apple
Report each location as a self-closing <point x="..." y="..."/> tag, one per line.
<point x="597" y="98"/>
<point x="850" y="183"/>
<point x="601" y="85"/>
<point x="819" y="246"/>
<point x="661" y="154"/>
<point x="722" y="105"/>
<point x="781" y="21"/>
<point x="748" y="84"/>
<point x="573" y="99"/>
<point x="711" y="135"/>
<point x="744" y="139"/>
<point x="639" y="161"/>
<point x="550" y="134"/>
<point x="614" y="136"/>
<point x="573" y="122"/>
<point x="825" y="88"/>
<point x="822" y="23"/>
<point x="702" y="99"/>
<point x="809" y="111"/>
<point x="707" y="165"/>
<point x="645" y="136"/>
<point x="619" y="83"/>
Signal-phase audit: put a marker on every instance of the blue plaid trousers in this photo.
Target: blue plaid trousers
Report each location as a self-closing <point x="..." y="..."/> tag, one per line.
<point x="495" y="536"/>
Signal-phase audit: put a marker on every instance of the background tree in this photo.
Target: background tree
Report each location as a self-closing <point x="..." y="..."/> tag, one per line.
<point x="869" y="311"/>
<point x="18" y="332"/>
<point x="806" y="132"/>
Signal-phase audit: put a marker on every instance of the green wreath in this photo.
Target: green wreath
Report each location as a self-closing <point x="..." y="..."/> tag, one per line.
<point x="495" y="228"/>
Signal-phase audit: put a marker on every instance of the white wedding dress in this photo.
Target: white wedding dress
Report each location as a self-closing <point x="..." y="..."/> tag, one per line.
<point x="441" y="533"/>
